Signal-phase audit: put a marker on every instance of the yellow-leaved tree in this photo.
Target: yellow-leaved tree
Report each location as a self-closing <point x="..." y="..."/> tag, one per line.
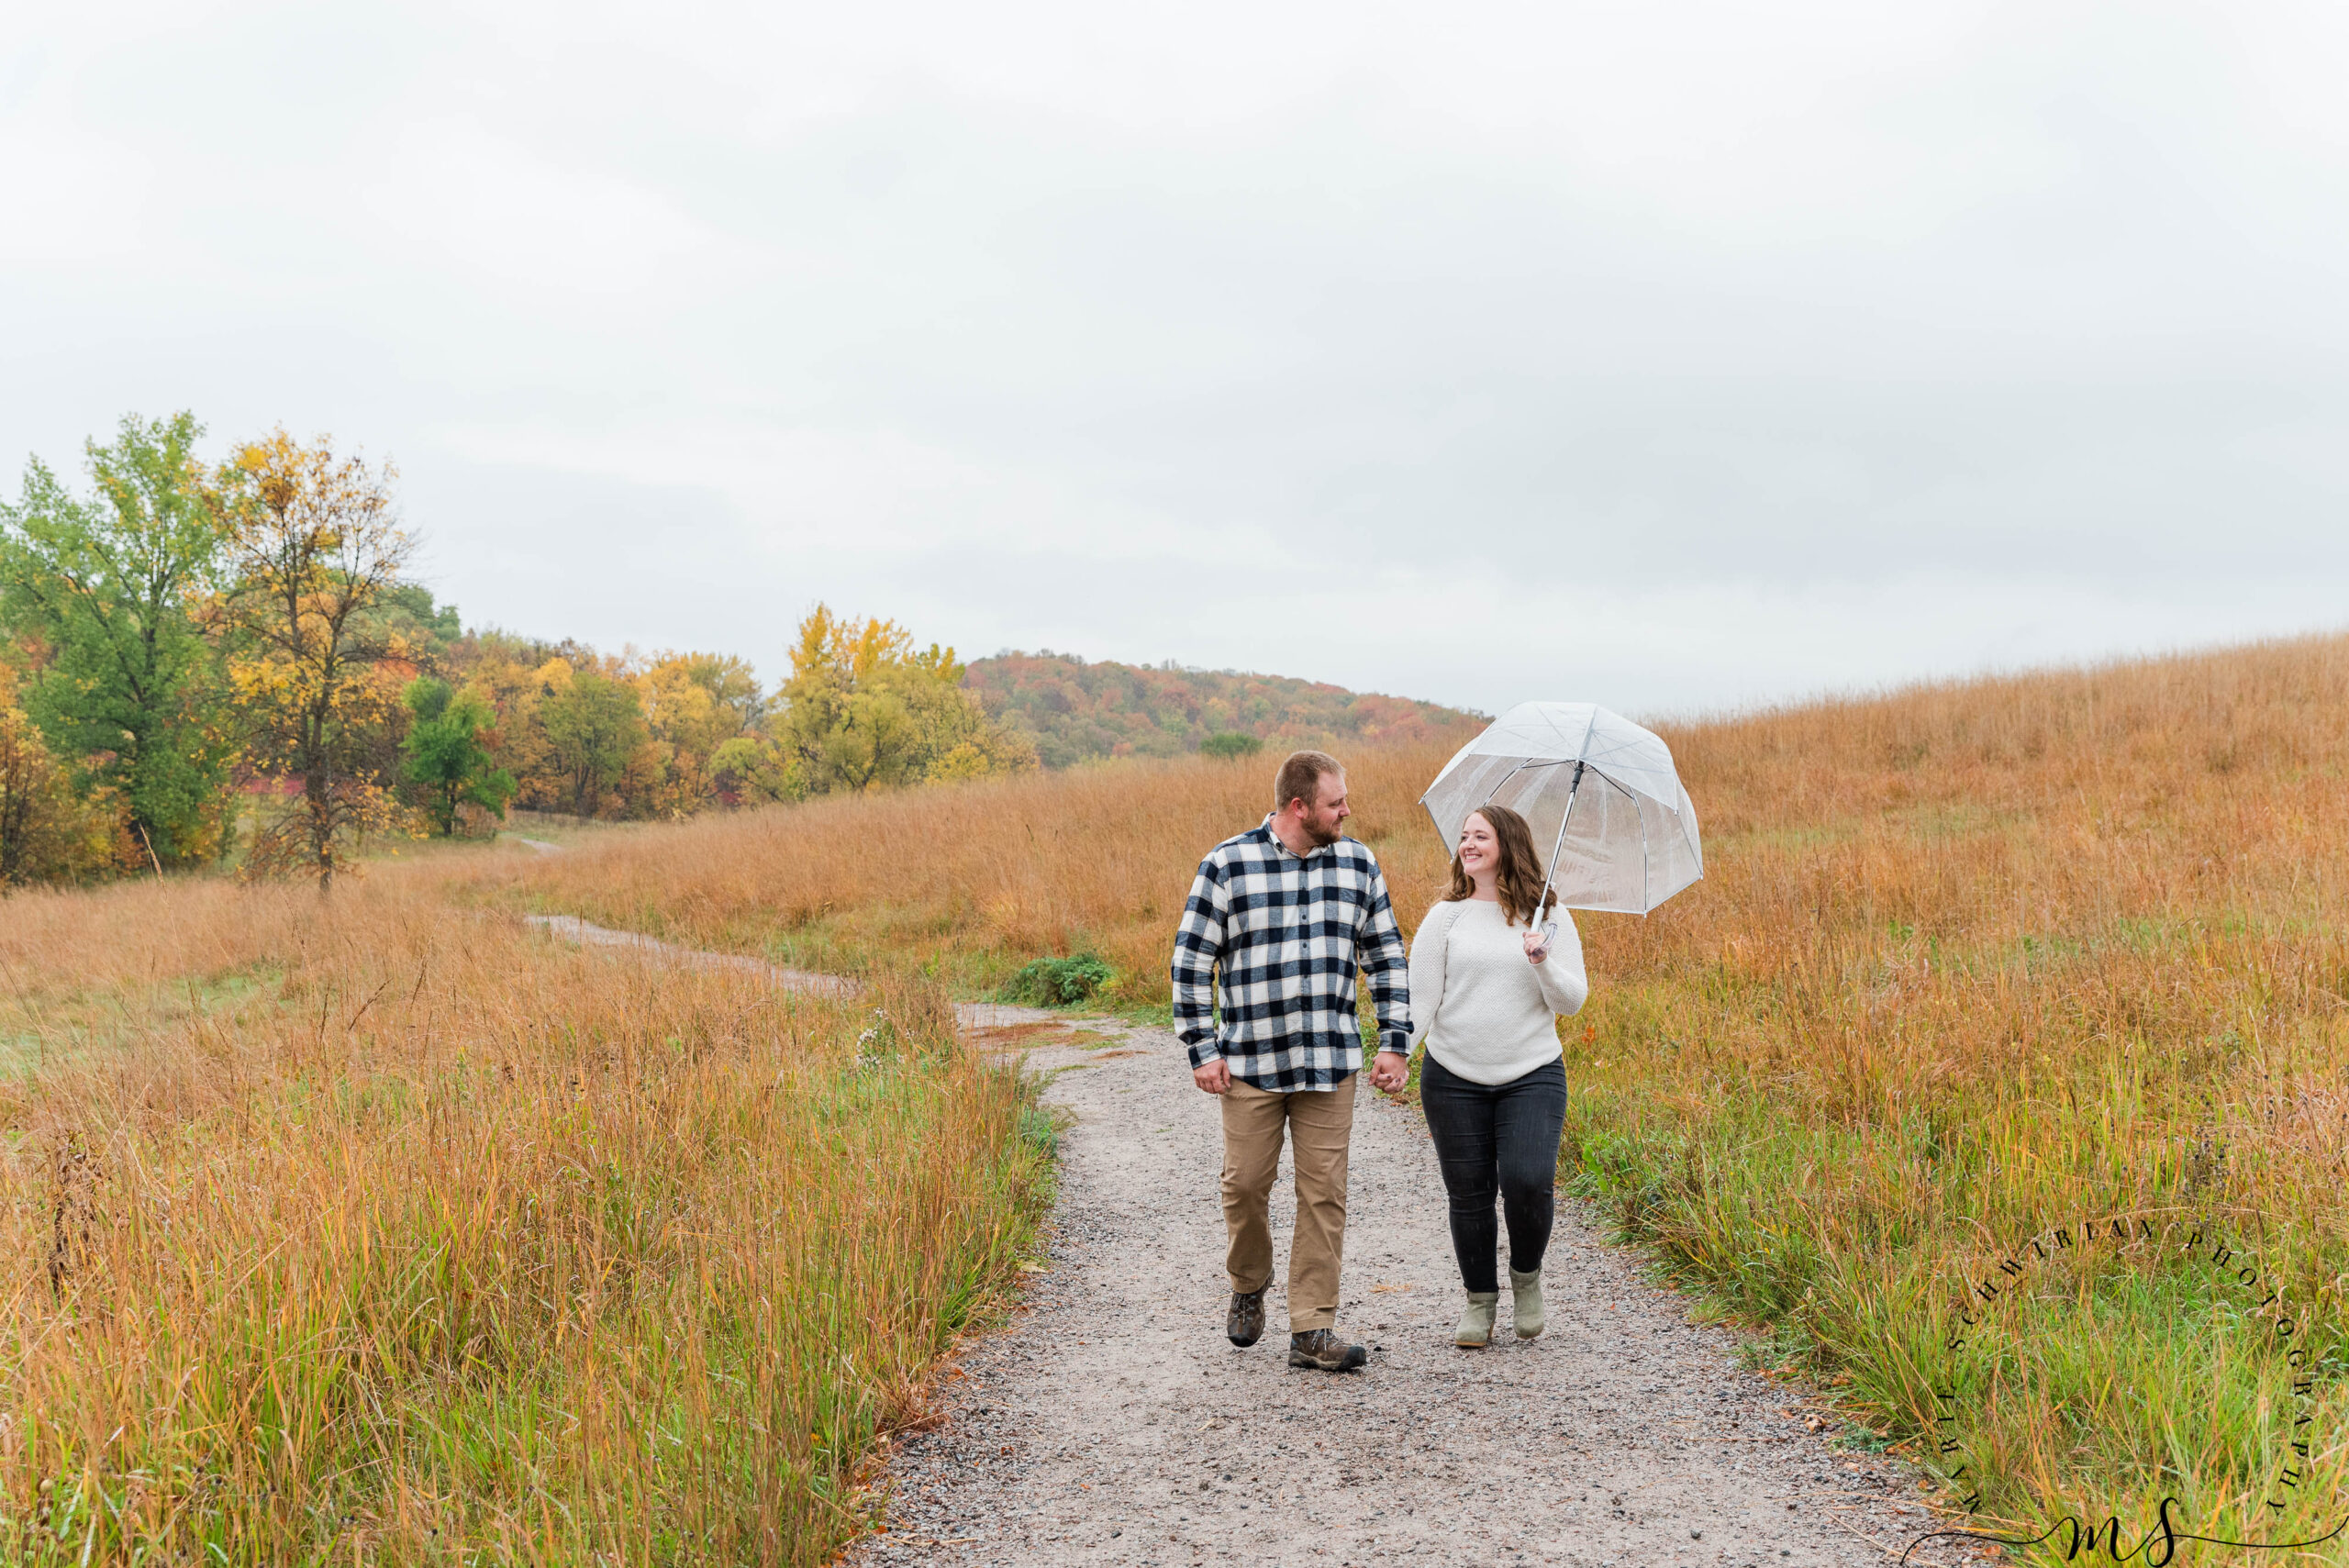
<point x="314" y="543"/>
<point x="865" y="709"/>
<point x="49" y="832"/>
<point x="694" y="704"/>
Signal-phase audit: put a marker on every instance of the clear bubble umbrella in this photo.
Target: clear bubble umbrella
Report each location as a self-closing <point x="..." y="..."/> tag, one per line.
<point x="1599" y="790"/>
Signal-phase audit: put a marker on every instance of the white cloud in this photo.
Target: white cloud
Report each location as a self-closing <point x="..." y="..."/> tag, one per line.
<point x="455" y="197"/>
<point x="1767" y="348"/>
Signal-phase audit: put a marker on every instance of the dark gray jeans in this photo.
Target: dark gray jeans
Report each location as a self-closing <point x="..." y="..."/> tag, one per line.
<point x="1497" y="1138"/>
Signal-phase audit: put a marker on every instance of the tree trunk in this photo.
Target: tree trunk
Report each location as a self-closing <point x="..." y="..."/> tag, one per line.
<point x="317" y="797"/>
<point x="14" y="813"/>
<point x="320" y="811"/>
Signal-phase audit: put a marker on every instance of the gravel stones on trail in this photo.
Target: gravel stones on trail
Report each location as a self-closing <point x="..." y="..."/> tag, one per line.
<point x="1111" y="1421"/>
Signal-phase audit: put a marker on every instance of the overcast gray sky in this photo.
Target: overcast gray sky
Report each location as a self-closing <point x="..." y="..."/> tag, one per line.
<point x="1672" y="355"/>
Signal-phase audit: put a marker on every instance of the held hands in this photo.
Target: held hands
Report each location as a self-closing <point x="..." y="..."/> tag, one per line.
<point x="1388" y="1072"/>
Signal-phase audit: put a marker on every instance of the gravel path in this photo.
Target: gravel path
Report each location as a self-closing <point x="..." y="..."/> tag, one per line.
<point x="1112" y="1423"/>
<point x="571" y="928"/>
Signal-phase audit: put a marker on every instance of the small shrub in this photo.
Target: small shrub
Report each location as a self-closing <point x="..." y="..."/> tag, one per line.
<point x="1039" y="1132"/>
<point x="1058" y="982"/>
<point x="1231" y="745"/>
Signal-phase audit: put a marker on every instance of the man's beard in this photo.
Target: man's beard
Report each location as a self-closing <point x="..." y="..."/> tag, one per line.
<point x="1323" y="837"/>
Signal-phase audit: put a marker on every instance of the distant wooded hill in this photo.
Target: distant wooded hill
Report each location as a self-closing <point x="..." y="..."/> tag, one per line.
<point x="1075" y="710"/>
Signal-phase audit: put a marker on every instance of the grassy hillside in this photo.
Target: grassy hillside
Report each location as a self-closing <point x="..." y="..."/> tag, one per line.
<point x="969" y="883"/>
<point x="1975" y="965"/>
<point x="1076" y="711"/>
<point x="379" y="1230"/>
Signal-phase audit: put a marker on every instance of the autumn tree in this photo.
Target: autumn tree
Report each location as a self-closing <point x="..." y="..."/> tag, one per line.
<point x="865" y="709"/>
<point x="694" y="703"/>
<point x="49" y="831"/>
<point x="701" y="700"/>
<point x="446" y="754"/>
<point x="594" y="725"/>
<point x="750" y="770"/>
<point x="514" y="675"/>
<point x="315" y="547"/>
<point x="108" y="588"/>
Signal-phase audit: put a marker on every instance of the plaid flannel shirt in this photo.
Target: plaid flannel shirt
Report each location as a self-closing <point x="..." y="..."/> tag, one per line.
<point x="1287" y="933"/>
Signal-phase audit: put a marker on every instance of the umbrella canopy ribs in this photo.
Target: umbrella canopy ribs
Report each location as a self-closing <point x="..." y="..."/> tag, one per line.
<point x="1603" y="790"/>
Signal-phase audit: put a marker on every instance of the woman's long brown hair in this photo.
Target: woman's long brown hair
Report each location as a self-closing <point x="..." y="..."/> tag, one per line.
<point x="1520" y="877"/>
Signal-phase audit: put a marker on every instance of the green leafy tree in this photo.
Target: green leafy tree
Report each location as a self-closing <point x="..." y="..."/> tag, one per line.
<point x="109" y="587"/>
<point x="594" y="726"/>
<point x="408" y="610"/>
<point x="752" y="771"/>
<point x="445" y="754"/>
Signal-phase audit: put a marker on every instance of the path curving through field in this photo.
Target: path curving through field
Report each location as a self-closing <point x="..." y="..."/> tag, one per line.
<point x="571" y="928"/>
<point x="1110" y="1422"/>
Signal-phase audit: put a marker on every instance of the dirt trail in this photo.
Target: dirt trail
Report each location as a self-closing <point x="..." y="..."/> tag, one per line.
<point x="1113" y="1423"/>
<point x="970" y="1015"/>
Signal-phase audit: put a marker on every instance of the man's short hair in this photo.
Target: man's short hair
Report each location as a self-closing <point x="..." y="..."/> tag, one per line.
<point x="1300" y="778"/>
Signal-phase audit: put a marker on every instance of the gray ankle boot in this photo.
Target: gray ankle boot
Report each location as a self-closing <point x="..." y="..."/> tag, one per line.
<point x="1527" y="1291"/>
<point x="1475" y="1331"/>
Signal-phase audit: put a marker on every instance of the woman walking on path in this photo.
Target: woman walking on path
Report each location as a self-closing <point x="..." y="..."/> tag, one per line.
<point x="1486" y="995"/>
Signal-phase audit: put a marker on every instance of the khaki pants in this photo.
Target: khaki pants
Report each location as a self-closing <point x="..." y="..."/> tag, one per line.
<point x="1321" y="1124"/>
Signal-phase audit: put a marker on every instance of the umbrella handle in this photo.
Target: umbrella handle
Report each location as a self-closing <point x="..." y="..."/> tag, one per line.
<point x="1573" y="789"/>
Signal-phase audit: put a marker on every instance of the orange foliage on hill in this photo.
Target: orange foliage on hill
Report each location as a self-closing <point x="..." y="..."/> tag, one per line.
<point x="1075" y="710"/>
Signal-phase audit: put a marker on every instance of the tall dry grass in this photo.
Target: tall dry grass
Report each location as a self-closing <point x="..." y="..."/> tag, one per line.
<point x="973" y="881"/>
<point x="439" y="1241"/>
<point x="1979" y="962"/>
<point x="1973" y="963"/>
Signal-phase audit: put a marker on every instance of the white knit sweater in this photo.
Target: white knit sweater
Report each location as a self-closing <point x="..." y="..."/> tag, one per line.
<point x="1485" y="1013"/>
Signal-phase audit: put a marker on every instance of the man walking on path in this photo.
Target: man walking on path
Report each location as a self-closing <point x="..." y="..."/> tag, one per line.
<point x="1288" y="912"/>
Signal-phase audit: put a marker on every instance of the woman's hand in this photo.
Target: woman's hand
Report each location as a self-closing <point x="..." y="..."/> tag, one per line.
<point x="1537" y="945"/>
<point x="1389" y="1070"/>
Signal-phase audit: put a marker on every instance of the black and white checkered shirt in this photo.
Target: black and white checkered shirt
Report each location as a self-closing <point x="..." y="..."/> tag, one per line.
<point x="1288" y="933"/>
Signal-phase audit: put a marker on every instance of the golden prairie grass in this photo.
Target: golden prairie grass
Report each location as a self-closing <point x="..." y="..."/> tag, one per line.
<point x="977" y="879"/>
<point x="1981" y="962"/>
<point x="1973" y="964"/>
<point x="444" y="1242"/>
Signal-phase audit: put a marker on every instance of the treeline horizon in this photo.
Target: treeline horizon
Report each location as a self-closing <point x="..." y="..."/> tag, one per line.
<point x="210" y="663"/>
<point x="232" y="664"/>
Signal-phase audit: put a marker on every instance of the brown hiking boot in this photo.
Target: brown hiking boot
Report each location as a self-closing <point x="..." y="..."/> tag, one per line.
<point x="1321" y="1349"/>
<point x="1244" y="1324"/>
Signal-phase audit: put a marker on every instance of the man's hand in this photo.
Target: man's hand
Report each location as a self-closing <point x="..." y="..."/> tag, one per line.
<point x="1389" y="1070"/>
<point x="1215" y="1077"/>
